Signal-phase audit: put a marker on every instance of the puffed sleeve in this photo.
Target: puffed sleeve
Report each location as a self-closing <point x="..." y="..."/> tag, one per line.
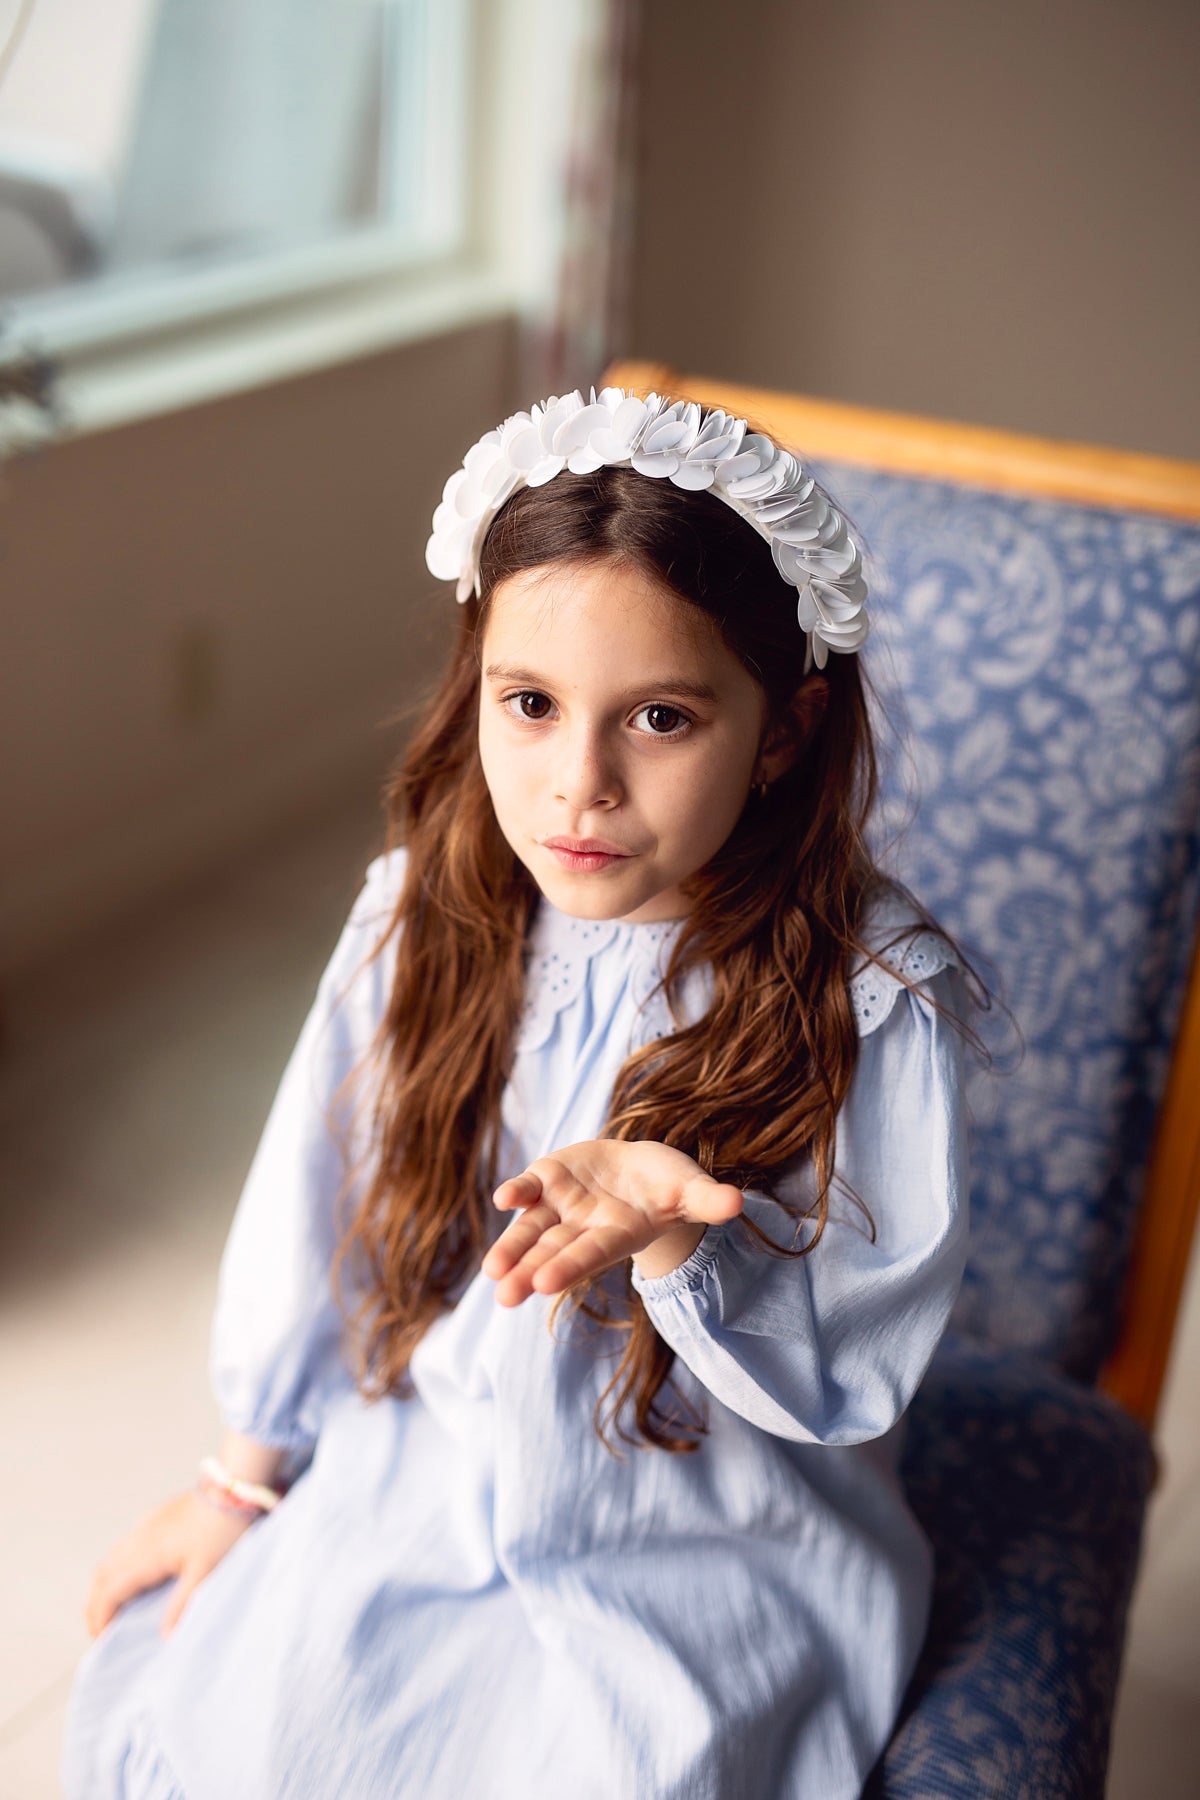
<point x="276" y="1327"/>
<point x="829" y="1348"/>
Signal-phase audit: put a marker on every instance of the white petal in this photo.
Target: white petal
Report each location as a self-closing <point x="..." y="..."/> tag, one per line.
<point x="545" y="471"/>
<point x="524" y="448"/>
<point x="572" y="433"/>
<point x="746" y="462"/>
<point x="440" y="559"/>
<point x="664" y="434"/>
<point x="629" y="419"/>
<point x="779" y="476"/>
<point x="833" y="528"/>
<point x="695" y="476"/>
<point x="512" y="428"/>
<point x="512" y="481"/>
<point x="584" y="461"/>
<point x="832" y="562"/>
<point x="609" y="446"/>
<point x="766" y="480"/>
<point x="665" y="463"/>
<point x="844" y="639"/>
<point x="783" y="506"/>
<point x="750" y="487"/>
<point x="691" y="421"/>
<point x="715" y="450"/>
<point x="835" y="608"/>
<point x="762" y="446"/>
<point x="788" y="563"/>
<point x="453" y="483"/>
<point x="806" y="612"/>
<point x="468" y="501"/>
<point x="497" y="480"/>
<point x="713" y="426"/>
<point x="479" y="457"/>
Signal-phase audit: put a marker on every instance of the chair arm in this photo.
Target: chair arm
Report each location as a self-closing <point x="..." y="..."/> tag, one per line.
<point x="1032" y="1489"/>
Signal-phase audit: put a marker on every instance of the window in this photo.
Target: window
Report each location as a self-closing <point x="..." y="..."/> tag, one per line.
<point x="183" y="164"/>
<point x="190" y="135"/>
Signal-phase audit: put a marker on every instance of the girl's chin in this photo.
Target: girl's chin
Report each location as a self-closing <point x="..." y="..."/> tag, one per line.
<point x="581" y="898"/>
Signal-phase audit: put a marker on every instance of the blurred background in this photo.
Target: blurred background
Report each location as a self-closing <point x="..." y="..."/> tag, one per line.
<point x="267" y="267"/>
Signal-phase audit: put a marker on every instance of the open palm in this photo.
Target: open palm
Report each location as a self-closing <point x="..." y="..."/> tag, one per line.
<point x="593" y="1205"/>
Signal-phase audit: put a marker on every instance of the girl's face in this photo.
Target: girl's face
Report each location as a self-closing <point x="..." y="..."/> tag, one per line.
<point x="619" y="736"/>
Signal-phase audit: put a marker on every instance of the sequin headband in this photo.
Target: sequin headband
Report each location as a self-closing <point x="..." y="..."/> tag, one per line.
<point x="678" y="441"/>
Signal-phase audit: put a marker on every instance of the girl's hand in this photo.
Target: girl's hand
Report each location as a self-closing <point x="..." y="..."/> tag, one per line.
<point x="184" y="1538"/>
<point x="593" y="1205"/>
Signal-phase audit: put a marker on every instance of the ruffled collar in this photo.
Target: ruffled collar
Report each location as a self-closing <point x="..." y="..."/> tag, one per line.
<point x="562" y="948"/>
<point x="561" y="951"/>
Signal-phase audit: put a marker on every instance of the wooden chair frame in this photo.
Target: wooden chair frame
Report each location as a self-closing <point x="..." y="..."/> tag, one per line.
<point x="1091" y="476"/>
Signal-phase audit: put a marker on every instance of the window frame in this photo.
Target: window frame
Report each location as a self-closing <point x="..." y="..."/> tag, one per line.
<point x="137" y="343"/>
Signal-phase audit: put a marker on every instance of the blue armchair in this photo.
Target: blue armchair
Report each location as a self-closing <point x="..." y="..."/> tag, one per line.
<point x="1038" y="606"/>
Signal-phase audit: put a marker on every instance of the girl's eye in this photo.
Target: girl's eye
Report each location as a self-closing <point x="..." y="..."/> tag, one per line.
<point x="663" y="721"/>
<point x="528" y="705"/>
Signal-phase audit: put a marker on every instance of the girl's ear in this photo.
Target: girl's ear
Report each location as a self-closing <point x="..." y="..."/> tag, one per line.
<point x="785" y="740"/>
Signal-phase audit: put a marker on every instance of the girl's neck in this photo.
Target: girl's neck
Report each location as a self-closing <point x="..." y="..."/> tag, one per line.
<point x="631" y="925"/>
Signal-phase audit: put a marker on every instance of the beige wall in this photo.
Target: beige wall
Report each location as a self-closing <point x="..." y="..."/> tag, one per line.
<point x="209" y="616"/>
<point x="979" y="209"/>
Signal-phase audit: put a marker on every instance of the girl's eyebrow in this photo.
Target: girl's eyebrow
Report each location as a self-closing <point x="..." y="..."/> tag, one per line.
<point x="658" y="684"/>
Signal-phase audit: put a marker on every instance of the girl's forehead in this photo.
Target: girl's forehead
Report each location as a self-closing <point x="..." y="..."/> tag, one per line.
<point x="561" y="607"/>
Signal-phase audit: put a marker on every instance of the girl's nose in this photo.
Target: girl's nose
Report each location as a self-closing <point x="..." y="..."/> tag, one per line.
<point x="586" y="775"/>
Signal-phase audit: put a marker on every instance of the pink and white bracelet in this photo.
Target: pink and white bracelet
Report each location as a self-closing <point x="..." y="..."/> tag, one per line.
<point x="232" y="1493"/>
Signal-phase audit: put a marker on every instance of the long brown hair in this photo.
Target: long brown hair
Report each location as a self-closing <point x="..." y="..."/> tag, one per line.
<point x="751" y="1089"/>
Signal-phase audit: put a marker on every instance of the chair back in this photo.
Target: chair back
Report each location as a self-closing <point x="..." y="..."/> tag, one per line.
<point x="1042" y="654"/>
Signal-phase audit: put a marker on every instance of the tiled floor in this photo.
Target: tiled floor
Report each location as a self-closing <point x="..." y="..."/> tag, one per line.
<point x="134" y="1083"/>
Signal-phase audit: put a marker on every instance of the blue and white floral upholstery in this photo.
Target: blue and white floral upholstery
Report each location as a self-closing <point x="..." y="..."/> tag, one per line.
<point x="1032" y="1488"/>
<point x="1048" y="656"/>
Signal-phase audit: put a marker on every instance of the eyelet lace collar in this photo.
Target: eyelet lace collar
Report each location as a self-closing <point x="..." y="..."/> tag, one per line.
<point x="561" y="949"/>
<point x="915" y="956"/>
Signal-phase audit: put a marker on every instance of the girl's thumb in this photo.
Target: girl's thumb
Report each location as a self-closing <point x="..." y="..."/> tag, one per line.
<point x="715" y="1200"/>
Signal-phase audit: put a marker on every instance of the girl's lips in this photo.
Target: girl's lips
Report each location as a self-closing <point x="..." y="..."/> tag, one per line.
<point x="584" y="855"/>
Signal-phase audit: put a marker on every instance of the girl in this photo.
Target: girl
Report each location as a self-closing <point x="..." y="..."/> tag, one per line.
<point x="608" y="1214"/>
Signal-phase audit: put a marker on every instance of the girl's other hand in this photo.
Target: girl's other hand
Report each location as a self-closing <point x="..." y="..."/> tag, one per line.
<point x="184" y="1538"/>
<point x="593" y="1205"/>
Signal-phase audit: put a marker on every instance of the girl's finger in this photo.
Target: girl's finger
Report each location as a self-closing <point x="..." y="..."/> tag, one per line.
<point x="518" y="1284"/>
<point x="116" y="1582"/>
<point x="517" y="1239"/>
<point x="713" y="1201"/>
<point x="185" y="1587"/>
<point x="518" y="1190"/>
<point x="589" y="1253"/>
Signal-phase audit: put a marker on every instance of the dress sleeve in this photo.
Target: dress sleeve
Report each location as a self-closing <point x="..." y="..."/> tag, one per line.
<point x="829" y="1348"/>
<point x="276" y="1328"/>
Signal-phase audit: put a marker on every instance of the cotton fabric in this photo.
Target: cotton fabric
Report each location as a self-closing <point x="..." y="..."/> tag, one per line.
<point x="465" y="1592"/>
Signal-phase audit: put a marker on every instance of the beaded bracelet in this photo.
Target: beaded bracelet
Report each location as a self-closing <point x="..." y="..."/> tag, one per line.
<point x="231" y="1492"/>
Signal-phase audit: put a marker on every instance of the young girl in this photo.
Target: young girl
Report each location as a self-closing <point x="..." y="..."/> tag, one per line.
<point x="607" y="1217"/>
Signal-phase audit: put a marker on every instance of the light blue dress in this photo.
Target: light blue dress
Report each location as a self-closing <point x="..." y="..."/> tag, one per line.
<point x="466" y="1593"/>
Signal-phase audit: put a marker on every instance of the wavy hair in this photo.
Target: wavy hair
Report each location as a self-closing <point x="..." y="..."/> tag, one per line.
<point x="750" y="1090"/>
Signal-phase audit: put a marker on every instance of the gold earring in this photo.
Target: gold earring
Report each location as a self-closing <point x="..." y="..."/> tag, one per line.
<point x="760" y="790"/>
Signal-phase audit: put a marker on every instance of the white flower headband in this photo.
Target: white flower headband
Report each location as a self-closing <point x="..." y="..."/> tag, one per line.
<point x="809" y="539"/>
